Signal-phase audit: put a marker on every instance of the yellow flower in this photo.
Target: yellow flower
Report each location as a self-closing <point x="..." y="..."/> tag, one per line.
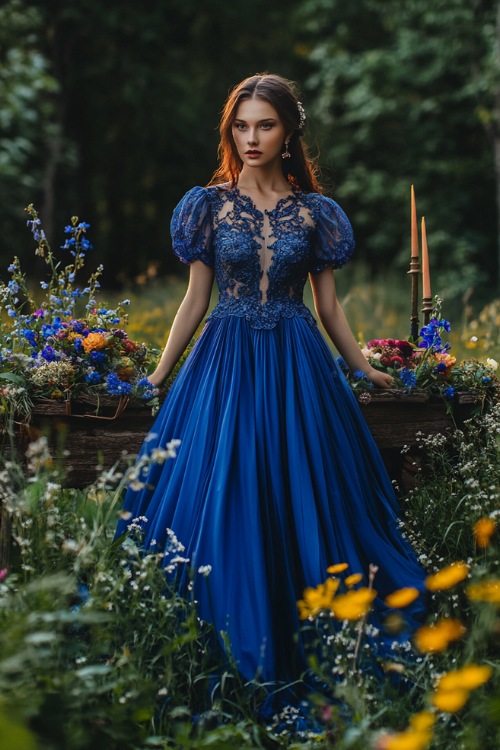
<point x="483" y="531"/>
<point x="422" y="721"/>
<point x="338" y="568"/>
<point x="450" y="701"/>
<point x="353" y="579"/>
<point x="486" y="591"/>
<point x="316" y="599"/>
<point x="469" y="677"/>
<point x="409" y="740"/>
<point x="72" y="335"/>
<point x="447" y="577"/>
<point x="353" y="605"/>
<point x="93" y="342"/>
<point x="437" y="637"/>
<point x="402" y="597"/>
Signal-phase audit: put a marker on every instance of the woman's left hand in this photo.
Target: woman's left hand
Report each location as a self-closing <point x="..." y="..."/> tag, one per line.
<point x="379" y="378"/>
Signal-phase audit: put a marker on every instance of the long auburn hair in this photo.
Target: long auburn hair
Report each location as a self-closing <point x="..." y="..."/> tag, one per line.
<point x="300" y="169"/>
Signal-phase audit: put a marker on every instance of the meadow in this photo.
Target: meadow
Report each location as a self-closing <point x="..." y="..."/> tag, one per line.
<point x="97" y="651"/>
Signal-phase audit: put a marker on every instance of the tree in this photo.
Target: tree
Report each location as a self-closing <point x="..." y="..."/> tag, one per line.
<point x="400" y="92"/>
<point x="30" y="134"/>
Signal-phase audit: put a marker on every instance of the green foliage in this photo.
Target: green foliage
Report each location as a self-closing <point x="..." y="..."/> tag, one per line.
<point x="99" y="651"/>
<point x="400" y="92"/>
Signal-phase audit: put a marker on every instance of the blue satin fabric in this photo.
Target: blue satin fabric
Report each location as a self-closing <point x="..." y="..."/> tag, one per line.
<point x="277" y="477"/>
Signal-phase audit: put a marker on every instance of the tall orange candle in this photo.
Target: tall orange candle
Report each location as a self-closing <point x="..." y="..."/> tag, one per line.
<point x="414" y="230"/>
<point x="426" y="275"/>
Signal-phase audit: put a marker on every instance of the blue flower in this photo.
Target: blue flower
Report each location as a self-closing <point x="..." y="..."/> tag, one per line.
<point x="93" y="377"/>
<point x="30" y="336"/>
<point x="360" y="375"/>
<point x="97" y="356"/>
<point x="83" y="225"/>
<point x="149" y="390"/>
<point x="441" y="367"/>
<point x="11" y="268"/>
<point x="449" y="392"/>
<point x="486" y="380"/>
<point x="48" y="353"/>
<point x="117" y="387"/>
<point x="44" y="285"/>
<point x="71" y="277"/>
<point x="78" y="344"/>
<point x="11" y="312"/>
<point x="408" y="378"/>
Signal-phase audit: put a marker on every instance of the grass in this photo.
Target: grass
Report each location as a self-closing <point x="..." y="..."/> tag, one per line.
<point x="98" y="652"/>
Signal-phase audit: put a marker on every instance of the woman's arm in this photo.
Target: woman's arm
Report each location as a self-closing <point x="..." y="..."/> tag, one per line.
<point x="189" y="316"/>
<point x="335" y="324"/>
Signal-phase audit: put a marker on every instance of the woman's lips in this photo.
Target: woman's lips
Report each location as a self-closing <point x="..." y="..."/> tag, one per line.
<point x="253" y="154"/>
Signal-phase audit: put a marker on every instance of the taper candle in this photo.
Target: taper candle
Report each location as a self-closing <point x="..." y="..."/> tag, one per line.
<point x="414" y="230"/>
<point x="426" y="275"/>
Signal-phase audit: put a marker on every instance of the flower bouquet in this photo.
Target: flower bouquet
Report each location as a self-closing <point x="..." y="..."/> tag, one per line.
<point x="66" y="345"/>
<point x="427" y="366"/>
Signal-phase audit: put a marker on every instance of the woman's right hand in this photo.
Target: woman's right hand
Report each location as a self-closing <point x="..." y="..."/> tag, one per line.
<point x="156" y="379"/>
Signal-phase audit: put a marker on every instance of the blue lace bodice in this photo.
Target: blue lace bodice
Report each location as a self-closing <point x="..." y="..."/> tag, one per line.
<point x="261" y="260"/>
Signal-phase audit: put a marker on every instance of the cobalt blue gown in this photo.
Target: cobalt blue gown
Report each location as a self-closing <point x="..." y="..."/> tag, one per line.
<point x="277" y="475"/>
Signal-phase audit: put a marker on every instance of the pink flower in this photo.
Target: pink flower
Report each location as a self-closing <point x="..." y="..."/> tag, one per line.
<point x="3" y="574"/>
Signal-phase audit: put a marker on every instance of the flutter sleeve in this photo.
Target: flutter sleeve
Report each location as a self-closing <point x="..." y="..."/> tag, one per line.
<point x="191" y="227"/>
<point x="333" y="239"/>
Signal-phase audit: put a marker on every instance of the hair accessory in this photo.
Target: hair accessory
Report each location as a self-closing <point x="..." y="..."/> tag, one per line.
<point x="286" y="153"/>
<point x="302" y="115"/>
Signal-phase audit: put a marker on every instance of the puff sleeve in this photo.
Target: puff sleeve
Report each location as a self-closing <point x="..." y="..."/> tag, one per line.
<point x="333" y="239"/>
<point x="191" y="227"/>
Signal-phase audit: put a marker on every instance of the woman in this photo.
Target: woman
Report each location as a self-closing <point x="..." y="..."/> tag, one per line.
<point x="277" y="476"/>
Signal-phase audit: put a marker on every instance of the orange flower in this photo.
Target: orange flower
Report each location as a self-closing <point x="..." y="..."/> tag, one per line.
<point x="402" y="597"/>
<point x="338" y="568"/>
<point x="469" y="677"/>
<point x="409" y="740"/>
<point x="353" y="605"/>
<point x="437" y="637"/>
<point x="93" y="342"/>
<point x="353" y="579"/>
<point x="316" y="599"/>
<point x="483" y="531"/>
<point x="486" y="591"/>
<point x="423" y="721"/>
<point x="447" y="577"/>
<point x="450" y="701"/>
<point x="447" y="360"/>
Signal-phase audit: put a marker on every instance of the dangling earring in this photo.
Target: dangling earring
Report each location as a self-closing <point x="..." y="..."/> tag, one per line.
<point x="286" y="153"/>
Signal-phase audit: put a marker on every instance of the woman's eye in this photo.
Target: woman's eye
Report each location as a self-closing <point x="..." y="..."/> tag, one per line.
<point x="239" y="126"/>
<point x="267" y="125"/>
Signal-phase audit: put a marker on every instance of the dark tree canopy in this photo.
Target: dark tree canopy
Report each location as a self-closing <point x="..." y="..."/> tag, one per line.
<point x="111" y="113"/>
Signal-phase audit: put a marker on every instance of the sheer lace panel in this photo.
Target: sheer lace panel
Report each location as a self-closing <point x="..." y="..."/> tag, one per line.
<point x="262" y="258"/>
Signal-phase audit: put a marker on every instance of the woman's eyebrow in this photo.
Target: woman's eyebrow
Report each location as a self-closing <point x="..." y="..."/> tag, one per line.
<point x="264" y="119"/>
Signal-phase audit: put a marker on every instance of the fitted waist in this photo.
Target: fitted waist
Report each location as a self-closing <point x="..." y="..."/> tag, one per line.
<point x="262" y="315"/>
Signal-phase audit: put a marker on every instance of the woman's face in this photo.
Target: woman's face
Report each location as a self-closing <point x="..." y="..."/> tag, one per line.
<point x="258" y="133"/>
